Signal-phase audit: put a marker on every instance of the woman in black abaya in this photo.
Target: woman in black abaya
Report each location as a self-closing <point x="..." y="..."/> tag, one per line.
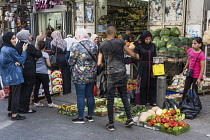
<point x="146" y="89"/>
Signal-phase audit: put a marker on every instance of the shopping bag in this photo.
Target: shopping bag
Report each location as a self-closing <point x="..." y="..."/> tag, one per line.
<point x="158" y="69"/>
<point x="197" y="102"/>
<point x="103" y="85"/>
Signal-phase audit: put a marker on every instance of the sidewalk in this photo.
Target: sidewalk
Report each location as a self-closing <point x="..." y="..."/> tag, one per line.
<point x="47" y="124"/>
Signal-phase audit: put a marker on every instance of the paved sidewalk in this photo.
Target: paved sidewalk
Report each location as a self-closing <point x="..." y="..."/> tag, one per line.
<point x="47" y="124"/>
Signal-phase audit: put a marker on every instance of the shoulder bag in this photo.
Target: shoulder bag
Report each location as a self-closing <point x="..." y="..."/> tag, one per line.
<point x="53" y="58"/>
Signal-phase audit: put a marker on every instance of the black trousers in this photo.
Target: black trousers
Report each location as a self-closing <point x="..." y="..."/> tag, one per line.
<point x="13" y="99"/>
<point x="123" y="95"/>
<point x="25" y="94"/>
<point x="188" y="82"/>
<point x="44" y="80"/>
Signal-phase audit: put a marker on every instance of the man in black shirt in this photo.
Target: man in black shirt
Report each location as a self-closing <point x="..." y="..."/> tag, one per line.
<point x="126" y="37"/>
<point x="113" y="52"/>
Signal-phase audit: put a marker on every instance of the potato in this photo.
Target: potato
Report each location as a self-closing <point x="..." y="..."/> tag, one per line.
<point x="155" y="108"/>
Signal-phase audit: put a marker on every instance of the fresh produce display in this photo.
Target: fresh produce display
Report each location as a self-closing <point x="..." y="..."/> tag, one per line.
<point x="131" y="85"/>
<point x="165" y="38"/>
<point x="170" y="43"/>
<point x="206" y="37"/>
<point x="101" y="111"/>
<point x="175" y="31"/>
<point x="67" y="110"/>
<point x="99" y="101"/>
<point x="164" y="32"/>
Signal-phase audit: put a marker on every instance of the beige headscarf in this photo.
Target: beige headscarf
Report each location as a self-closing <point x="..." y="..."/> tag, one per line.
<point x="58" y="41"/>
<point x="93" y="37"/>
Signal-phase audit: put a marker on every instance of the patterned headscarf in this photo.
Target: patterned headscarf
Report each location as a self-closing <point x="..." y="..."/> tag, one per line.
<point x="24" y="36"/>
<point x="58" y="41"/>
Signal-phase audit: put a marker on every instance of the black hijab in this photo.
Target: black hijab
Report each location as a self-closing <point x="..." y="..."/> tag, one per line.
<point x="7" y="39"/>
<point x="142" y="38"/>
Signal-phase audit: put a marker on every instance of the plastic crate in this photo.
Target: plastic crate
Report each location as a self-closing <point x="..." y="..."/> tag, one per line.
<point x="170" y="92"/>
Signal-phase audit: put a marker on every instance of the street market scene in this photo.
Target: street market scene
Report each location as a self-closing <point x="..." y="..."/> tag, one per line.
<point x="102" y="69"/>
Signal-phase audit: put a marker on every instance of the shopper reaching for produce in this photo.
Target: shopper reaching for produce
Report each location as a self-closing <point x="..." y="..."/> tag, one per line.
<point x="196" y="64"/>
<point x="113" y="52"/>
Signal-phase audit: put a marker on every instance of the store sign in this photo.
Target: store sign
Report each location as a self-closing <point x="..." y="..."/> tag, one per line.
<point x="194" y="31"/>
<point x="47" y="4"/>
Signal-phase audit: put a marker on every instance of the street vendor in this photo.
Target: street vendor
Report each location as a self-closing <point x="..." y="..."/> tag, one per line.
<point x="146" y="91"/>
<point x="126" y="37"/>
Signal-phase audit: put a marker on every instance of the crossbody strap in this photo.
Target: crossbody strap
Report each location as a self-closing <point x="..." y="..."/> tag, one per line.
<point x="196" y="59"/>
<point x="88" y="52"/>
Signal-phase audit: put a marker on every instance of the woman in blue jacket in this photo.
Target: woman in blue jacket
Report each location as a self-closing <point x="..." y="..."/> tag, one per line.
<point x="11" y="72"/>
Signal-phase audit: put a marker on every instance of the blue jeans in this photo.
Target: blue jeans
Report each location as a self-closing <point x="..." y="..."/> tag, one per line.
<point x="85" y="91"/>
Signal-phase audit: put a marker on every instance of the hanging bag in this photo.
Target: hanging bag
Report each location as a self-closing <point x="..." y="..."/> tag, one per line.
<point x="158" y="69"/>
<point x="53" y="58"/>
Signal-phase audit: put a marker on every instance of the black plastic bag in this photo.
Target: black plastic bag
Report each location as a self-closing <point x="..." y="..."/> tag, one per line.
<point x="166" y="104"/>
<point x="103" y="85"/>
<point x="190" y="106"/>
<point x="170" y="103"/>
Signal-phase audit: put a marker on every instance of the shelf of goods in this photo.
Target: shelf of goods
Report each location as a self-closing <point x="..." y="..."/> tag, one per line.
<point x="133" y="17"/>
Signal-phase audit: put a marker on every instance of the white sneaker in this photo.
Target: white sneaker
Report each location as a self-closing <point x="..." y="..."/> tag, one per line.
<point x="52" y="105"/>
<point x="38" y="104"/>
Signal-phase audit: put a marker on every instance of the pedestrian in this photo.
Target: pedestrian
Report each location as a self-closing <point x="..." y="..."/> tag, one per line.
<point x="113" y="52"/>
<point x="11" y="72"/>
<point x="60" y="45"/>
<point x="47" y="38"/>
<point x="84" y="73"/>
<point x="196" y="63"/>
<point x="146" y="51"/>
<point x="94" y="38"/>
<point x="69" y="40"/>
<point x="29" y="70"/>
<point x="126" y="37"/>
<point x="42" y="77"/>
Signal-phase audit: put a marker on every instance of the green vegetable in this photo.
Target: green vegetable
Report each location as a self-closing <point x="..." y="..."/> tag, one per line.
<point x="175" y="31"/>
<point x="162" y="50"/>
<point x="164" y="32"/>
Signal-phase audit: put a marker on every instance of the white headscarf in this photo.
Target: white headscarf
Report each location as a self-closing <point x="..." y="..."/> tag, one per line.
<point x="23" y="36"/>
<point x="93" y="37"/>
<point x="81" y="34"/>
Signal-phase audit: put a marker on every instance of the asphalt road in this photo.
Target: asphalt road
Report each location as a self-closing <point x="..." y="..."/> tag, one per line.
<point x="47" y="124"/>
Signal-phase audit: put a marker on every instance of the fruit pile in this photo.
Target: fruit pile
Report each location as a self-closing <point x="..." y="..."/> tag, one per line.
<point x="67" y="110"/>
<point x="101" y="111"/>
<point x="166" y="41"/>
<point x="99" y="101"/>
<point x="131" y="85"/>
<point x="170" y="120"/>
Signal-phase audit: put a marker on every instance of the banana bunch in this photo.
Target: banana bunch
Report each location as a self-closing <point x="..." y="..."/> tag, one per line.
<point x="70" y="108"/>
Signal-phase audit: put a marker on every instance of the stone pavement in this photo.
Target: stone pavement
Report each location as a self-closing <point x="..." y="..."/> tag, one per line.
<point x="47" y="124"/>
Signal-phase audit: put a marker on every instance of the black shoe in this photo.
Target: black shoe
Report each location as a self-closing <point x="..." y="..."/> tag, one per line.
<point x="129" y="123"/>
<point x="110" y="127"/>
<point x="9" y="114"/>
<point x="90" y="119"/>
<point x="18" y="117"/>
<point x="25" y="112"/>
<point x="78" y="120"/>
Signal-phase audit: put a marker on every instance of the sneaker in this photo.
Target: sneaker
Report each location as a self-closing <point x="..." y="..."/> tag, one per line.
<point x="38" y="104"/>
<point x="90" y="119"/>
<point x="129" y="122"/>
<point x="9" y="114"/>
<point x="78" y="120"/>
<point x="18" y="117"/>
<point x="110" y="127"/>
<point x="52" y="105"/>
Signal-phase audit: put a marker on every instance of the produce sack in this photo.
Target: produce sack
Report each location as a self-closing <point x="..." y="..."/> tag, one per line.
<point x="103" y="85"/>
<point x="190" y="106"/>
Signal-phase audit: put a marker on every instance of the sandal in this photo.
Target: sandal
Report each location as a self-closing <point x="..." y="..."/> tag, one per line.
<point x="52" y="105"/>
<point x="30" y="111"/>
<point x="38" y="104"/>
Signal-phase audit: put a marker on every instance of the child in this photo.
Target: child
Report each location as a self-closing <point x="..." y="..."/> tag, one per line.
<point x="196" y="63"/>
<point x="42" y="76"/>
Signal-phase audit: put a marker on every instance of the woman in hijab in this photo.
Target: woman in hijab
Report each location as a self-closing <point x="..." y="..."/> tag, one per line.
<point x="84" y="71"/>
<point x="29" y="70"/>
<point x="61" y="46"/>
<point x="94" y="38"/>
<point x="11" y="72"/>
<point x="146" y="51"/>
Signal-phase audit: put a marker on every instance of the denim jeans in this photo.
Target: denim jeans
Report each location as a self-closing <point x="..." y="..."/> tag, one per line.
<point x="85" y="91"/>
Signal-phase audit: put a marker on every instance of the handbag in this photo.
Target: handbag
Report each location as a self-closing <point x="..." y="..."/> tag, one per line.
<point x="158" y="69"/>
<point x="99" y="69"/>
<point x="188" y="72"/>
<point x="53" y="58"/>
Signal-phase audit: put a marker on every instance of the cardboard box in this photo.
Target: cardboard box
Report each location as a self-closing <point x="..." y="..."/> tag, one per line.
<point x="178" y="132"/>
<point x="101" y="114"/>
